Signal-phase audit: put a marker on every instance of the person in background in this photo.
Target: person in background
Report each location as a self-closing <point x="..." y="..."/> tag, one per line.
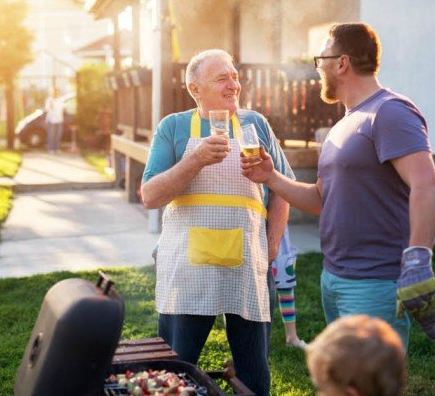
<point x="54" y="119"/>
<point x="357" y="356"/>
<point x="215" y="247"/>
<point x="375" y="191"/>
<point x="283" y="269"/>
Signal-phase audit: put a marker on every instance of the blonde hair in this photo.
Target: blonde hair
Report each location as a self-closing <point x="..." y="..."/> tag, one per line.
<point x="360" y="352"/>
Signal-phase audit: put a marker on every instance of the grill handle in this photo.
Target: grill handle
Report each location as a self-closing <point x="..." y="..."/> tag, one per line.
<point x="239" y="388"/>
<point x="36" y="348"/>
<point x="109" y="282"/>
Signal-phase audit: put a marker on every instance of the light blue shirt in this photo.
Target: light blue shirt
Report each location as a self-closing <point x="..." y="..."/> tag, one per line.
<point x="173" y="132"/>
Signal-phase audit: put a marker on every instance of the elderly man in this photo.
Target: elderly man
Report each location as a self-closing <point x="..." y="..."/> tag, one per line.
<point x="375" y="191"/>
<point x="215" y="246"/>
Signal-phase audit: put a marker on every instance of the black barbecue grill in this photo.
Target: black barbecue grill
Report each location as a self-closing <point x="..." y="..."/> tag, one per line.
<point x="74" y="346"/>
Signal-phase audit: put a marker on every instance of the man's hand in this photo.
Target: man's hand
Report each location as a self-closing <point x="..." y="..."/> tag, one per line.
<point x="211" y="150"/>
<point x="258" y="173"/>
<point x="416" y="287"/>
<point x="272" y="252"/>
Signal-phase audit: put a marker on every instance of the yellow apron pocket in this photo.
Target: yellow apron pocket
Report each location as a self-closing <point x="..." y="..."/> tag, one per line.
<point x="215" y="247"/>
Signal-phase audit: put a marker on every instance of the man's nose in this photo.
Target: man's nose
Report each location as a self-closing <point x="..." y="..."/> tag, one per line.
<point x="233" y="84"/>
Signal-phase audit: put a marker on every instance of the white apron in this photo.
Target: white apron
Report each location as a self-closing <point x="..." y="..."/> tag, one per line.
<point x="213" y="248"/>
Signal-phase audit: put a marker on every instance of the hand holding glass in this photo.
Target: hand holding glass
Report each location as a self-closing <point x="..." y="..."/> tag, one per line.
<point x="249" y="143"/>
<point x="219" y="122"/>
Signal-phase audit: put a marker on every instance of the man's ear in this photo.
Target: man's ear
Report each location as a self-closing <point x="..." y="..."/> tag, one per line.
<point x="194" y="89"/>
<point x="344" y="63"/>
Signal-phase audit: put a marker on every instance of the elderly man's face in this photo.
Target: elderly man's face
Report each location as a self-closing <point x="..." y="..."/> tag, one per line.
<point x="218" y="86"/>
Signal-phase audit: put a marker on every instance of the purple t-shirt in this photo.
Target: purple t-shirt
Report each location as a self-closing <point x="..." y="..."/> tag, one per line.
<point x="364" y="224"/>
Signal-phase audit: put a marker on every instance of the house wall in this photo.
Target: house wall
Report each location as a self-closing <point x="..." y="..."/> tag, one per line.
<point x="299" y="17"/>
<point x="407" y="34"/>
<point x="146" y="35"/>
<point x="59" y="27"/>
<point x="201" y="25"/>
<point x="296" y="18"/>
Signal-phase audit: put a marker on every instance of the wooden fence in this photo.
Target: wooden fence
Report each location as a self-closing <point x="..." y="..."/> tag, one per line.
<point x="288" y="95"/>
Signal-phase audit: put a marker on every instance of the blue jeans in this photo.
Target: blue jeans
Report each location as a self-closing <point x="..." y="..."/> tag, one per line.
<point x="248" y="340"/>
<point x="272" y="302"/>
<point x="373" y="297"/>
<point x="54" y="136"/>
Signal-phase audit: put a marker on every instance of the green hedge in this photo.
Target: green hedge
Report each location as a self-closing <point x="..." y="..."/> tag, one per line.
<point x="92" y="97"/>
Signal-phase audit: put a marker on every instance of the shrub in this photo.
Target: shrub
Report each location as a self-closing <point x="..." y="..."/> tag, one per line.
<point x="92" y="97"/>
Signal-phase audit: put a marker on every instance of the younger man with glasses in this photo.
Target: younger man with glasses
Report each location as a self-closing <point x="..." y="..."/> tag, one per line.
<point x="375" y="191"/>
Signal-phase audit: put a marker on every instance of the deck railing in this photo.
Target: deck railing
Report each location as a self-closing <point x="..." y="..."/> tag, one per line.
<point x="287" y="95"/>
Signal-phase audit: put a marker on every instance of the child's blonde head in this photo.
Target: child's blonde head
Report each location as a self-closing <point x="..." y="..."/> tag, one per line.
<point x="358" y="355"/>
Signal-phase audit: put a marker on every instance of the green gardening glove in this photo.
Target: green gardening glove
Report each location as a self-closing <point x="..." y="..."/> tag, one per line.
<point x="416" y="287"/>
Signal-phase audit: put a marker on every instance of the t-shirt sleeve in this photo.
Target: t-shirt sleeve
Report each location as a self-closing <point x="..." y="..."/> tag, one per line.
<point x="162" y="151"/>
<point x="271" y="145"/>
<point x="399" y="129"/>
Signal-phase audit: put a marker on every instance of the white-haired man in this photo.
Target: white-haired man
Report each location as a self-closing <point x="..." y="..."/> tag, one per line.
<point x="215" y="246"/>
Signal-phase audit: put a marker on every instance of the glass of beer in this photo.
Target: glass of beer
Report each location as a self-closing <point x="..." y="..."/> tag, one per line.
<point x="219" y="122"/>
<point x="249" y="143"/>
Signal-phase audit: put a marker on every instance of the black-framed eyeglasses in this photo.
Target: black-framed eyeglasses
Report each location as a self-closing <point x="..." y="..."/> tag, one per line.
<point x="318" y="58"/>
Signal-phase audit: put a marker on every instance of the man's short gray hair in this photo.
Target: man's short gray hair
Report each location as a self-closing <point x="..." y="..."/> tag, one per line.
<point x="192" y="70"/>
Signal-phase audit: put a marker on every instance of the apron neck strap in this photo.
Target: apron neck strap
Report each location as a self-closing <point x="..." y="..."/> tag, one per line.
<point x="195" y="125"/>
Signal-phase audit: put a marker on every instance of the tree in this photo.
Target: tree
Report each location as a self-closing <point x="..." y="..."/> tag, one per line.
<point x="15" y="52"/>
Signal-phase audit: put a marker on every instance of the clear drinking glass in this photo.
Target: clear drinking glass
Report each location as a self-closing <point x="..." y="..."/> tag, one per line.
<point x="249" y="143"/>
<point x="219" y="122"/>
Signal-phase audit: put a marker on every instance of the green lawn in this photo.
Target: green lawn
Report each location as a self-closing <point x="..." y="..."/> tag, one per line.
<point x="99" y="161"/>
<point x="10" y="162"/>
<point x="20" y="301"/>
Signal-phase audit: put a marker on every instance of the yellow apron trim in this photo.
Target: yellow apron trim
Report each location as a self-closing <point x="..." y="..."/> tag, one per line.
<point x="222" y="248"/>
<point x="220" y="200"/>
<point x="195" y="125"/>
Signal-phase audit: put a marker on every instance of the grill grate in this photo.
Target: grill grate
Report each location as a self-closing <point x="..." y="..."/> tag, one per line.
<point x="113" y="389"/>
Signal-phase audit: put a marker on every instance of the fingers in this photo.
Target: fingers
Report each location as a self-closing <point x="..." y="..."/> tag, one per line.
<point x="217" y="140"/>
<point x="212" y="150"/>
<point x="263" y="153"/>
<point x="247" y="163"/>
<point x="246" y="172"/>
<point x="216" y="144"/>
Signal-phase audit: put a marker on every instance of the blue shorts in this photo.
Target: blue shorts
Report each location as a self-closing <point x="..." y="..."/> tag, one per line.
<point x="373" y="297"/>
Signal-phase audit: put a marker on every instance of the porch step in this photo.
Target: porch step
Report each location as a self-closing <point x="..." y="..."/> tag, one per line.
<point x="18" y="188"/>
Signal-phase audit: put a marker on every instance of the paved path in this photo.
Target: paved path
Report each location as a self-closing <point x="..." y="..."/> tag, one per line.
<point x="45" y="172"/>
<point x="60" y="221"/>
<point x="84" y="229"/>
